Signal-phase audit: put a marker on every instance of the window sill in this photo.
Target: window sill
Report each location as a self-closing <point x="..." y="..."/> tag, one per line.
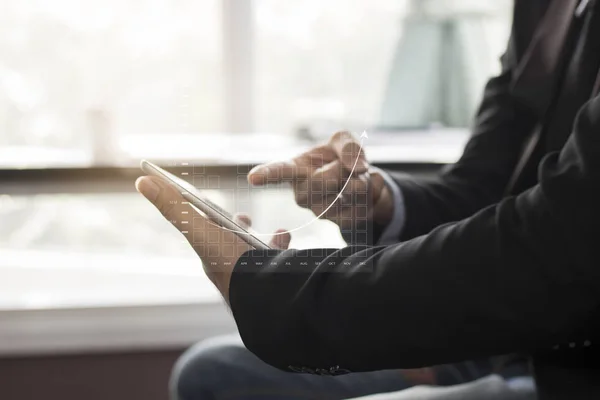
<point x="102" y="304"/>
<point x="110" y="328"/>
<point x="411" y="146"/>
<point x="434" y="146"/>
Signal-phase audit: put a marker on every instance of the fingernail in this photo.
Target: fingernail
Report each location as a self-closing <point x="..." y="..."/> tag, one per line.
<point x="148" y="188"/>
<point x="254" y="173"/>
<point x="255" y="169"/>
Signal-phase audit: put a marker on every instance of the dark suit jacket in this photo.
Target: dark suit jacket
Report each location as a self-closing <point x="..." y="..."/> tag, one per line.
<point x="476" y="272"/>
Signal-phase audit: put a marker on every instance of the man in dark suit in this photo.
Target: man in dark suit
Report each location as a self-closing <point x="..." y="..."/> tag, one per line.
<point x="496" y="255"/>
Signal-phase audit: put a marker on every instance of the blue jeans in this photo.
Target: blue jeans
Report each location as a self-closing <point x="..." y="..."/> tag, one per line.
<point x="491" y="387"/>
<point x="222" y="368"/>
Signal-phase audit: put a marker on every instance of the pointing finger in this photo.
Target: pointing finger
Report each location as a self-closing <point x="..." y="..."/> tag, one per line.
<point x="275" y="172"/>
<point x="298" y="168"/>
<point x="281" y="241"/>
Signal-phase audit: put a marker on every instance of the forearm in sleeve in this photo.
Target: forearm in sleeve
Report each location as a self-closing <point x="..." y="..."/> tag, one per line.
<point x="518" y="276"/>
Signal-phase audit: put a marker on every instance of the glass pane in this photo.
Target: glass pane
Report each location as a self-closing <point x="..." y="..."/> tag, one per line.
<point x="75" y="76"/>
<point x="332" y="64"/>
<point x="128" y="224"/>
<point x="89" y="250"/>
<point x="109" y="82"/>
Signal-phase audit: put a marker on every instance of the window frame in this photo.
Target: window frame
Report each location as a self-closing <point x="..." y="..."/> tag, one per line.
<point x="120" y="179"/>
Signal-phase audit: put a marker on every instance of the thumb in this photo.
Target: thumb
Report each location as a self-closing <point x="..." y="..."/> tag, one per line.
<point x="281" y="239"/>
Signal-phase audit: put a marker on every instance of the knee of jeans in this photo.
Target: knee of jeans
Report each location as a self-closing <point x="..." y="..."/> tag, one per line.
<point x="203" y="369"/>
<point x="495" y="387"/>
<point x="493" y="384"/>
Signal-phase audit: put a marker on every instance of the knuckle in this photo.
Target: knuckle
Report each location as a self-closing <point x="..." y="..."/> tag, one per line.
<point x="350" y="148"/>
<point x="377" y="182"/>
<point x="339" y="136"/>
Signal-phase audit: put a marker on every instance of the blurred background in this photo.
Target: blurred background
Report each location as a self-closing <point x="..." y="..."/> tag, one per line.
<point x="207" y="88"/>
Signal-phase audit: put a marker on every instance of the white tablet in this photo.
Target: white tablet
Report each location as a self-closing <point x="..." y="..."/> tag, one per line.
<point x="212" y="211"/>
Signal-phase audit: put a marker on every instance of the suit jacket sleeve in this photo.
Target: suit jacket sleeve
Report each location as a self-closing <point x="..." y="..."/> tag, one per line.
<point x="501" y="126"/>
<point x="517" y="276"/>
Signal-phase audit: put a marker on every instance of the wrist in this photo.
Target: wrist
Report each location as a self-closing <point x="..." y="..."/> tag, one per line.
<point x="220" y="269"/>
<point x="383" y="209"/>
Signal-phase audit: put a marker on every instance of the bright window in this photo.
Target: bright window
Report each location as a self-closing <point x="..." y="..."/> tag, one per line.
<point x="99" y="82"/>
<point x="76" y="76"/>
<point x="107" y="82"/>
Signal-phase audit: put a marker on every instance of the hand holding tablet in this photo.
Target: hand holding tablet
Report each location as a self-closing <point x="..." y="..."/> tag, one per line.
<point x="215" y="213"/>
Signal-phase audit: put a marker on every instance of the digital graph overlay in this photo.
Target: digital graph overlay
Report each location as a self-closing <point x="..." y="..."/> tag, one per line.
<point x="345" y="203"/>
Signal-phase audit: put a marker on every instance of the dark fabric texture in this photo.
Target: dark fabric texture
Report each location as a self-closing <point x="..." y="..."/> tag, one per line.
<point x="475" y="274"/>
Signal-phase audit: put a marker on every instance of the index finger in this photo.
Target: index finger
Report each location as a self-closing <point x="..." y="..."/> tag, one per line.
<point x="349" y="151"/>
<point x="274" y="172"/>
<point x="300" y="167"/>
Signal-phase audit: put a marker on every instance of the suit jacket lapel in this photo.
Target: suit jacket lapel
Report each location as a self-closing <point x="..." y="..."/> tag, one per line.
<point x="537" y="73"/>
